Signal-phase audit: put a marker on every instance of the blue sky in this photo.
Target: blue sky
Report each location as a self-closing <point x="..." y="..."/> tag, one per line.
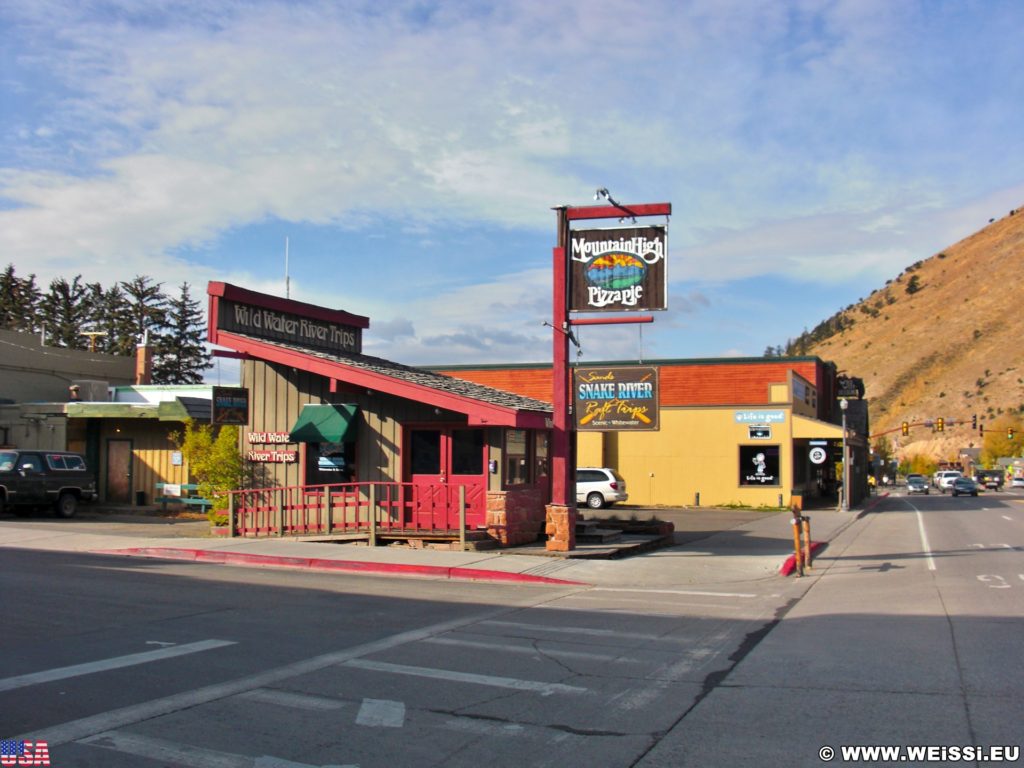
<point x="411" y="153"/>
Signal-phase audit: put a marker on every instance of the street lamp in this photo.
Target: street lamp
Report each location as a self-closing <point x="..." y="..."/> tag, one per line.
<point x="845" y="504"/>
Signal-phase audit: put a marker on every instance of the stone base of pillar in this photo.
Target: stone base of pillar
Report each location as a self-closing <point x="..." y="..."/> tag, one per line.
<point x="560" y="528"/>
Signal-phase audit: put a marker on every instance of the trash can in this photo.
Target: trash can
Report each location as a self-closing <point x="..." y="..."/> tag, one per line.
<point x="140" y="498"/>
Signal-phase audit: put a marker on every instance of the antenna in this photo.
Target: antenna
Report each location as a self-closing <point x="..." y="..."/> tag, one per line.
<point x="287" y="280"/>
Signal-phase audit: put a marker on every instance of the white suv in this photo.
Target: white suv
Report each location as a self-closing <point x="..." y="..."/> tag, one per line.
<point x="599" y="486"/>
<point x="945" y="478"/>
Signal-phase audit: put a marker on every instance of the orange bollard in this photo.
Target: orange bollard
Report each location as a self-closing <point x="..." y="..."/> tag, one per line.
<point x="806" y="525"/>
<point x="797" y="552"/>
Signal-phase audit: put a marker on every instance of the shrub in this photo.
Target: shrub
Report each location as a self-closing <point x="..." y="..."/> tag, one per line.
<point x="214" y="462"/>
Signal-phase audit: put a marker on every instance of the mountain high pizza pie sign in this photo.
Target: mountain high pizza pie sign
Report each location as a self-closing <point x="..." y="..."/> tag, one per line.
<point x="615" y="270"/>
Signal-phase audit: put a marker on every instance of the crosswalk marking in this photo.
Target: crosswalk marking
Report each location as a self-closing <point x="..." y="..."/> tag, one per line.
<point x="292" y="700"/>
<point x="170" y="752"/>
<point x="381" y="713"/>
<point x="76" y="670"/>
<point x="545" y="689"/>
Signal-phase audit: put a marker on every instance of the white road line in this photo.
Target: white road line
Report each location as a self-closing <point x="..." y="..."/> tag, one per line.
<point x="545" y="689"/>
<point x="62" y="673"/>
<point x="592" y="632"/>
<point x="293" y="700"/>
<point x="135" y="713"/>
<point x="500" y="645"/>
<point x="674" y="592"/>
<point x="381" y="713"/>
<point x="924" y="540"/>
<point x="1007" y="517"/>
<point x="170" y="752"/>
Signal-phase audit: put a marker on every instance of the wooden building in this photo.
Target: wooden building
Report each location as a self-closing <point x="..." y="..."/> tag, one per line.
<point x="321" y="413"/>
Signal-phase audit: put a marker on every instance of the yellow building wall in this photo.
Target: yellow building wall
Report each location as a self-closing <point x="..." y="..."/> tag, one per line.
<point x="696" y="451"/>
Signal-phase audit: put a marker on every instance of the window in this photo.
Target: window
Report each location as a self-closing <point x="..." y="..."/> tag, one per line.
<point x="517" y="468"/>
<point x="541" y="464"/>
<point x="759" y="465"/>
<point x="426" y="452"/>
<point x="32" y="462"/>
<point x="55" y="461"/>
<point x="467" y="452"/>
<point x="74" y="462"/>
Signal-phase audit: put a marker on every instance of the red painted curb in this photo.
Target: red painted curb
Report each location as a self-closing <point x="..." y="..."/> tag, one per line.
<point x="322" y="564"/>
<point x="789" y="565"/>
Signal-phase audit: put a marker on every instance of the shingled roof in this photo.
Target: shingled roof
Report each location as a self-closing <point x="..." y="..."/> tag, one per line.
<point x="409" y="375"/>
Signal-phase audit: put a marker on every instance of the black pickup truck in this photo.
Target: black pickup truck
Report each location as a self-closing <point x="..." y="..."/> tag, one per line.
<point x="34" y="479"/>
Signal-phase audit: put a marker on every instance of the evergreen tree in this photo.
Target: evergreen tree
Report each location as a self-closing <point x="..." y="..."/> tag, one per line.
<point x="19" y="302"/>
<point x="113" y="314"/>
<point x="181" y="356"/>
<point x="65" y="311"/>
<point x="147" y="309"/>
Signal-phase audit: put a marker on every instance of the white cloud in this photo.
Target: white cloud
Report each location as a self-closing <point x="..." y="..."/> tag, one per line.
<point x="823" y="142"/>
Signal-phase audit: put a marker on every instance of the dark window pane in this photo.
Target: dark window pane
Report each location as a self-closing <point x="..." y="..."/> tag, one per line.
<point x="426" y="452"/>
<point x="467" y="452"/>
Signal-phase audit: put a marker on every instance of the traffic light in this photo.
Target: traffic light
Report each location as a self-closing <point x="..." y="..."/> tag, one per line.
<point x="974" y="421"/>
<point x="905" y="428"/>
<point x="981" y="431"/>
<point x="940" y="424"/>
<point x="1009" y="433"/>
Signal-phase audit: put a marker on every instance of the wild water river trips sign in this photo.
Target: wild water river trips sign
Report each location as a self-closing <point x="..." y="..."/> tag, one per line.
<point x="616" y="399"/>
<point x="616" y="270"/>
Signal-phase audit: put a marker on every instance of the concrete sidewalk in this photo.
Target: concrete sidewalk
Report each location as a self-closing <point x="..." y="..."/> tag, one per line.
<point x="708" y="554"/>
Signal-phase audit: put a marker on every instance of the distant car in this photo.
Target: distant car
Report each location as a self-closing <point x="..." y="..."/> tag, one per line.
<point x="944" y="479"/>
<point x="599" y="486"/>
<point x="917" y="484"/>
<point x="990" y="478"/>
<point x="963" y="486"/>
<point x="1017" y="482"/>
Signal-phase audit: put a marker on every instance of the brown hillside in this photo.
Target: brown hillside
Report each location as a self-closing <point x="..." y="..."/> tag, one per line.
<point x="950" y="349"/>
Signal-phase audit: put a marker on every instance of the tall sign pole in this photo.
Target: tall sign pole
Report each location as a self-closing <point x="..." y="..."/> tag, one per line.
<point x="562" y="480"/>
<point x="561" y="512"/>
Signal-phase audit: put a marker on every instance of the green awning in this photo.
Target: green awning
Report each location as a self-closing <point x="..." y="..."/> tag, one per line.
<point x="325" y="424"/>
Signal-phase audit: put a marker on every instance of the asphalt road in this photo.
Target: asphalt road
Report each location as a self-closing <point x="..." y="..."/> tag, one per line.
<point x="118" y="662"/>
<point x="907" y="632"/>
<point x="909" y="636"/>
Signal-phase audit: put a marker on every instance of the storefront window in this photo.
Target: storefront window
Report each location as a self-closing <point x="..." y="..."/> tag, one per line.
<point x="467" y="452"/>
<point x="517" y="467"/>
<point x="540" y="454"/>
<point x="759" y="465"/>
<point x="331" y="463"/>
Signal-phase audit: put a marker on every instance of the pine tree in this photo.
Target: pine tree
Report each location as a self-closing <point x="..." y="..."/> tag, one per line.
<point x="19" y="302"/>
<point x="147" y="308"/>
<point x="181" y="356"/>
<point x="113" y="314"/>
<point x="65" y="312"/>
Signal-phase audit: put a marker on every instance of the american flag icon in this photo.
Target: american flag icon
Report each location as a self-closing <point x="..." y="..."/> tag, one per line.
<point x="12" y="748"/>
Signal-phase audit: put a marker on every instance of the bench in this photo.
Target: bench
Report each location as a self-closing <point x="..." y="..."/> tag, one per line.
<point x="181" y="493"/>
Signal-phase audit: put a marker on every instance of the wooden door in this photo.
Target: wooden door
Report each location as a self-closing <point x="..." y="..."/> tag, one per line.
<point x="439" y="461"/>
<point x="119" y="471"/>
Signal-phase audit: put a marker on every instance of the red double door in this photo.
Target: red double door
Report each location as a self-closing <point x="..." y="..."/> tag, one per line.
<point x="440" y="460"/>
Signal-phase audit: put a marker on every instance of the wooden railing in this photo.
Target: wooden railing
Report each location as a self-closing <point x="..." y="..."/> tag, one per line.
<point x="372" y="508"/>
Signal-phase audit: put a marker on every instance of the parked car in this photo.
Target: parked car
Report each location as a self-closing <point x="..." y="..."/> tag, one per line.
<point x="599" y="487"/>
<point x="963" y="486"/>
<point x="944" y="479"/>
<point x="917" y="484"/>
<point x="36" y="479"/>
<point x="1017" y="482"/>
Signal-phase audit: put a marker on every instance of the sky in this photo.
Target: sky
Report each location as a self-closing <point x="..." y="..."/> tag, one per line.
<point x="403" y="158"/>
